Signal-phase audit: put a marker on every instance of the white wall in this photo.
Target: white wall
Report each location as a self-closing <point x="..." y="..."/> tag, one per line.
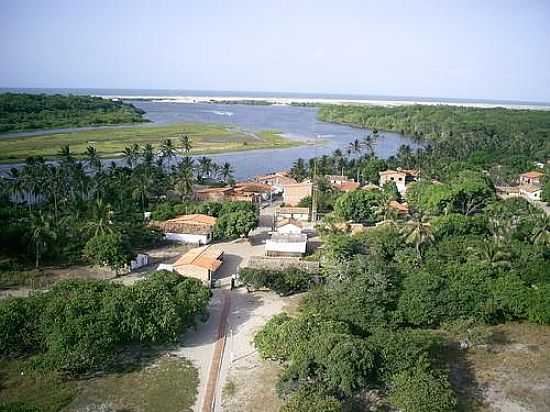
<point x="188" y="238"/>
<point x="290" y="228"/>
<point x="292" y="247"/>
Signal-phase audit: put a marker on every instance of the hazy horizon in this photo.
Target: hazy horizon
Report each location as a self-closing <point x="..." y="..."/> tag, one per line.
<point x="495" y="50"/>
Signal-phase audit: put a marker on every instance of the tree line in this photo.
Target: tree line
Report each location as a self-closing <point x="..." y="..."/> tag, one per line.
<point x="62" y="211"/>
<point x="24" y="111"/>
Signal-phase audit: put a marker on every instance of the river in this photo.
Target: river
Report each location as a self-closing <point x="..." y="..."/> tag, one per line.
<point x="294" y="122"/>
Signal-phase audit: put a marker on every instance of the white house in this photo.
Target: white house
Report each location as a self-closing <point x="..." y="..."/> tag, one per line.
<point x="196" y="228"/>
<point x="282" y="244"/>
<point x="530" y="192"/>
<point x="400" y="177"/>
<point x="289" y="227"/>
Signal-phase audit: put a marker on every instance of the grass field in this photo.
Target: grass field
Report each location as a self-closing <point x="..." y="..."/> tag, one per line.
<point x="167" y="384"/>
<point x="110" y="142"/>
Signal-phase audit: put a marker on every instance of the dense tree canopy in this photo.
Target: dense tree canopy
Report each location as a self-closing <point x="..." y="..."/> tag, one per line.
<point x="21" y="111"/>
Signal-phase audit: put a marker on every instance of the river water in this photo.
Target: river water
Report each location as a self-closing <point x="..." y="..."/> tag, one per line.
<point x="294" y="122"/>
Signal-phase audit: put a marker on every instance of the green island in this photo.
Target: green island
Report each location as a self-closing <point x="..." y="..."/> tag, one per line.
<point x="22" y="111"/>
<point x="111" y="142"/>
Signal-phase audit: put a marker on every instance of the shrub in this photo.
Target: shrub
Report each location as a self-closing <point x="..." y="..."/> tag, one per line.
<point x="285" y="282"/>
<point x="312" y="400"/>
<point x="421" y="389"/>
<point x="108" y="249"/>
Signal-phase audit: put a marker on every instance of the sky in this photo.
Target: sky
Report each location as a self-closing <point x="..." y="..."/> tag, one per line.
<point x="490" y="49"/>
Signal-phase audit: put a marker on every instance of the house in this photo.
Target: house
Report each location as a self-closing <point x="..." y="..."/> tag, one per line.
<point x="401" y="177"/>
<point x="289" y="226"/>
<point x="215" y="194"/>
<point x="201" y="263"/>
<point x="259" y="191"/>
<point x="297" y="213"/>
<point x="530" y="192"/>
<point x="283" y="244"/>
<point x="530" y="178"/>
<point x="336" y="180"/>
<point x="194" y="228"/>
<point x="348" y="186"/>
<point x="400" y="208"/>
<point x="295" y="192"/>
<point x="276" y="180"/>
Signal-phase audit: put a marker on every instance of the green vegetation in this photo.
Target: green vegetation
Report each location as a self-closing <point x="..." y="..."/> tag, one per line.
<point x="284" y="282"/>
<point x="111" y="142"/>
<point x="78" y="326"/>
<point x="85" y="212"/>
<point x="459" y="137"/>
<point x="396" y="297"/>
<point x="21" y="111"/>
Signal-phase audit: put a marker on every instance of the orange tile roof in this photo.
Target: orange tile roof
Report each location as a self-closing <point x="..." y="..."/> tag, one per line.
<point x="400" y="207"/>
<point x="205" y="257"/>
<point x="214" y="189"/>
<point x="195" y="218"/>
<point x="348" y="186"/>
<point x="532" y="175"/>
<point x="530" y="188"/>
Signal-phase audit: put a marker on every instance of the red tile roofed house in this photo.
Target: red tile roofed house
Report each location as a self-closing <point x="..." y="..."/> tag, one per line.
<point x="194" y="228"/>
<point x="294" y="193"/>
<point x="401" y="208"/>
<point x="349" y="186"/>
<point x="258" y="190"/>
<point x="401" y="177"/>
<point x="277" y="180"/>
<point x="200" y="263"/>
<point x="531" y="178"/>
<point x="217" y="194"/>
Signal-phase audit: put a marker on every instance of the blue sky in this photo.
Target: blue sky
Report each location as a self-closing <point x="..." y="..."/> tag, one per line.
<point x="495" y="49"/>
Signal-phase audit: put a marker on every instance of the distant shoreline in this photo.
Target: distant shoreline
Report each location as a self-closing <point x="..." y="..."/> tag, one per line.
<point x="315" y="101"/>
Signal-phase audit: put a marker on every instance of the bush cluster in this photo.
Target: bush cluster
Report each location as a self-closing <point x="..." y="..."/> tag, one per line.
<point x="284" y="282"/>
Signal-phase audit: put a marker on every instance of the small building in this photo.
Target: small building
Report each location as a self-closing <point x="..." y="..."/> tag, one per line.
<point x="400" y="208"/>
<point x="401" y="177"/>
<point x="294" y="193"/>
<point x="296" y="213"/>
<point x="215" y="194"/>
<point x="282" y="244"/>
<point x="336" y="180"/>
<point x="259" y="191"/>
<point x="530" y="178"/>
<point x="201" y="263"/>
<point x="277" y="180"/>
<point x="289" y="226"/>
<point x="348" y="186"/>
<point x="530" y="192"/>
<point x="194" y="228"/>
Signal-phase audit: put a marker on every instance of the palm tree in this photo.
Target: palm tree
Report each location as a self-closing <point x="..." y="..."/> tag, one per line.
<point x="369" y="142"/>
<point x="186" y="143"/>
<point x="100" y="219"/>
<point x="184" y="184"/>
<point x="205" y="166"/>
<point x="541" y="230"/>
<point x="131" y="154"/>
<point x="42" y="233"/>
<point x="93" y="159"/>
<point x="418" y="231"/>
<point x="227" y="172"/>
<point x="148" y="154"/>
<point x="167" y="151"/>
<point x="355" y="147"/>
<point x="492" y="253"/>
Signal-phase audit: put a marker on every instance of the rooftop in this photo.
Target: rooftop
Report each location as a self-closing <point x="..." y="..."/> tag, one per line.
<point x="290" y="221"/>
<point x="190" y="224"/>
<point x="206" y="257"/>
<point x="348" y="186"/>
<point x="214" y="190"/>
<point x="286" y="238"/>
<point x="532" y="175"/>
